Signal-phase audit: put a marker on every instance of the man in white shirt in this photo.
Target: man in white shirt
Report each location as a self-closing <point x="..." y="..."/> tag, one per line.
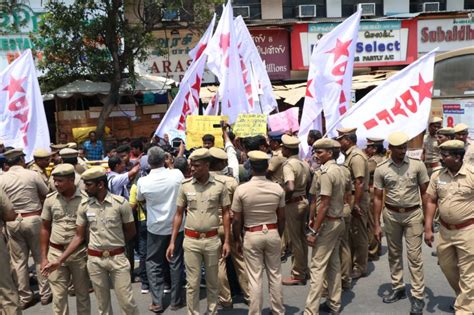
<point x="160" y="189"/>
<point x="119" y="179"/>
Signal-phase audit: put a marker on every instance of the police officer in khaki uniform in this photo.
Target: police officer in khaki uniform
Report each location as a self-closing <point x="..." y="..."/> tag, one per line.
<point x="58" y="229"/>
<point x="26" y="189"/>
<point x="430" y="145"/>
<point x="109" y="220"/>
<point x="356" y="162"/>
<point x="376" y="155"/>
<point x="462" y="132"/>
<point x="443" y="135"/>
<point x="55" y="148"/>
<point x="326" y="226"/>
<point x="452" y="190"/>
<point x="203" y="196"/>
<point x="42" y="158"/>
<point x="9" y="302"/>
<point x="70" y="156"/>
<point x="297" y="178"/>
<point x="259" y="207"/>
<point x="403" y="180"/>
<point x="218" y="164"/>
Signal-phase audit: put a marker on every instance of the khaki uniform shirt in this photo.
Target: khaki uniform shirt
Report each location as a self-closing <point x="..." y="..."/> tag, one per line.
<point x="298" y="171"/>
<point x="373" y="161"/>
<point x="455" y="193"/>
<point x="431" y="149"/>
<point x="276" y="167"/>
<point x="331" y="180"/>
<point x="203" y="202"/>
<point x="356" y="162"/>
<point x="469" y="154"/>
<point x="25" y="188"/>
<point x="39" y="170"/>
<point x="5" y="205"/>
<point x="401" y="182"/>
<point x="62" y="214"/>
<point x="105" y="220"/>
<point x="259" y="200"/>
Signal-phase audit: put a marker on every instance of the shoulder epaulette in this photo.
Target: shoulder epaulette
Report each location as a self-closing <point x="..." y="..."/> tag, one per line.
<point x="51" y="194"/>
<point x="186" y="180"/>
<point x="119" y="199"/>
<point x="383" y="162"/>
<point x="84" y="194"/>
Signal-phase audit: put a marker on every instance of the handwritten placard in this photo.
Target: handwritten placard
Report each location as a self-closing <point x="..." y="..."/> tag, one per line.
<point x="248" y="125"/>
<point x="285" y="121"/>
<point x="198" y="126"/>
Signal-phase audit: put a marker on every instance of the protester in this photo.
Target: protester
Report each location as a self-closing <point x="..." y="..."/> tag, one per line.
<point x="94" y="149"/>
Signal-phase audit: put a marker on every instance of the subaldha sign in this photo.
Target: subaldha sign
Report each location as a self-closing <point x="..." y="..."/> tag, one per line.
<point x="15" y="30"/>
<point x="447" y="34"/>
<point x="379" y="43"/>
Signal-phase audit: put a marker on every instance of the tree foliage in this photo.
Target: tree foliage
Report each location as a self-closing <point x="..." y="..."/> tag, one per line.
<point x="101" y="39"/>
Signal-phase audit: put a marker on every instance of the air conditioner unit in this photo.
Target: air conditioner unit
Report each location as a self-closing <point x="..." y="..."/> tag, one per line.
<point x="306" y="10"/>
<point x="243" y="11"/>
<point x="368" y="9"/>
<point x="168" y="15"/>
<point x="430" y="7"/>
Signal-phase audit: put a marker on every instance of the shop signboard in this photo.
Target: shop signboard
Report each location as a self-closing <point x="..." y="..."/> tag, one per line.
<point x="445" y="34"/>
<point x="457" y="111"/>
<point x="380" y="43"/>
<point x="170" y="57"/>
<point x="274" y="48"/>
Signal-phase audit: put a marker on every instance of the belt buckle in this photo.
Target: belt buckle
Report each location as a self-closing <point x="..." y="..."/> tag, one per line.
<point x="264" y="229"/>
<point x="105" y="253"/>
<point x="202" y="235"/>
<point x="402" y="210"/>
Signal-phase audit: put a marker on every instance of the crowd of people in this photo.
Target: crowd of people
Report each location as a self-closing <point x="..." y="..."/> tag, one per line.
<point x="220" y="217"/>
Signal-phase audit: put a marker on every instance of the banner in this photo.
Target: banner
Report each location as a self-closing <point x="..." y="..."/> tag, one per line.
<point x="248" y="125"/>
<point x="198" y="126"/>
<point x="23" y="123"/>
<point x="457" y="111"/>
<point x="402" y="103"/>
<point x="285" y="121"/>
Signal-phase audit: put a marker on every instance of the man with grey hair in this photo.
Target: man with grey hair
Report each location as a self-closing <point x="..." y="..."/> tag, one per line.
<point x="160" y="190"/>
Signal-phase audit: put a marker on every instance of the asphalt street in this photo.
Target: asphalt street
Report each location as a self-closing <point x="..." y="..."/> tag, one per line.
<point x="364" y="298"/>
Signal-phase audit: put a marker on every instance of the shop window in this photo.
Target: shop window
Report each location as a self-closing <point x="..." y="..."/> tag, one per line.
<point x="417" y="5"/>
<point x="453" y="78"/>
<point x="350" y="6"/>
<point x="290" y="7"/>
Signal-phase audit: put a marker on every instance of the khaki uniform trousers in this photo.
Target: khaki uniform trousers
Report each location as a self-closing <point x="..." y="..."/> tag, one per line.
<point x="23" y="236"/>
<point x="225" y="295"/>
<point x="345" y="249"/>
<point x="115" y="271"/>
<point x="374" y="245"/>
<point x="262" y="252"/>
<point x="410" y="226"/>
<point x="197" y="251"/>
<point x="359" y="240"/>
<point x="326" y="264"/>
<point x="295" y="218"/>
<point x="59" y="280"/>
<point x="9" y="302"/>
<point x="456" y="259"/>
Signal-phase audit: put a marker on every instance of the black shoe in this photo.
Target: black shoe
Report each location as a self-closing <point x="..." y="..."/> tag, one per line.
<point x="417" y="306"/>
<point x="395" y="296"/>
<point x="324" y="307"/>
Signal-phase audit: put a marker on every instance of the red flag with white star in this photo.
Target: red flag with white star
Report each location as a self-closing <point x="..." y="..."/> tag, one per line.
<point x="402" y="103"/>
<point x="329" y="83"/>
<point x="23" y="123"/>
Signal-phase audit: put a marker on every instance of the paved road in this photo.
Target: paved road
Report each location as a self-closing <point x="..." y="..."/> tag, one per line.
<point x="364" y="298"/>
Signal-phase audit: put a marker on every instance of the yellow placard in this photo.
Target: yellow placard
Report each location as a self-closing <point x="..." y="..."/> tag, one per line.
<point x="248" y="125"/>
<point x="198" y="126"/>
<point x="81" y="134"/>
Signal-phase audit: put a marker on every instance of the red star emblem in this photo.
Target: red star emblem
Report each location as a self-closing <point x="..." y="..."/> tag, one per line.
<point x="14" y="86"/>
<point x="224" y="42"/>
<point x="200" y="51"/>
<point x="308" y="92"/>
<point x="197" y="84"/>
<point x="341" y="49"/>
<point x="423" y="89"/>
<point x="342" y="97"/>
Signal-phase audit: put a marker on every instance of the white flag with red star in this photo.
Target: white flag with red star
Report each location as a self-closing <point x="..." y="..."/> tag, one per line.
<point x="212" y="108"/>
<point x="23" y="123"/>
<point x="224" y="62"/>
<point x="402" y="103"/>
<point x="329" y="78"/>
